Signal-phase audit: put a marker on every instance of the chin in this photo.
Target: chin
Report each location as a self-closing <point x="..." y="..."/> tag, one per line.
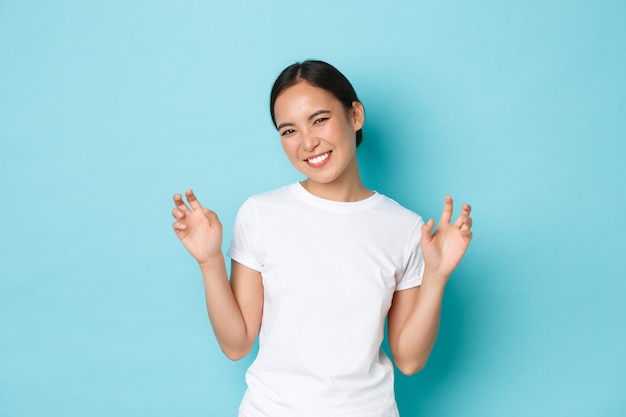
<point x="322" y="181"/>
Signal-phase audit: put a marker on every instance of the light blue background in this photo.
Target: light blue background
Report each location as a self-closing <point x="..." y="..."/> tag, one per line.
<point x="107" y="108"/>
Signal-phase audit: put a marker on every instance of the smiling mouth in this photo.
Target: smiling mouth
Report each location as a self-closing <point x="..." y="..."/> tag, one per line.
<point x="319" y="160"/>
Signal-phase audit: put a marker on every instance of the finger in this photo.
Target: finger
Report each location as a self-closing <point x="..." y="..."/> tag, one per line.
<point x="179" y="203"/>
<point x="467" y="234"/>
<point x="465" y="212"/>
<point x="466" y="223"/>
<point x="178" y="213"/>
<point x="211" y="215"/>
<point x="193" y="201"/>
<point x="427" y="229"/>
<point x="178" y="226"/>
<point x="446" y="215"/>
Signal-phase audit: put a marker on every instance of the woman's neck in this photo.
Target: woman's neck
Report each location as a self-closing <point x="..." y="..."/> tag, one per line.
<point x="346" y="188"/>
<point x="334" y="193"/>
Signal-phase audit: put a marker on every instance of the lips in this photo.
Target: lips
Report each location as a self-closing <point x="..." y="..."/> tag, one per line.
<point x="319" y="160"/>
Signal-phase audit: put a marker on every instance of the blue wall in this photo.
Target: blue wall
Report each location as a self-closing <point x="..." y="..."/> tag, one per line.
<point x="107" y="108"/>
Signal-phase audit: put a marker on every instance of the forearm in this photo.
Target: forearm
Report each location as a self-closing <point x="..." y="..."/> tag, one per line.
<point x="418" y="334"/>
<point x="223" y="310"/>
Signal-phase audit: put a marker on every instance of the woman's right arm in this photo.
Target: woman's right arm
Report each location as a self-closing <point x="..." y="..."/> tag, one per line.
<point x="234" y="307"/>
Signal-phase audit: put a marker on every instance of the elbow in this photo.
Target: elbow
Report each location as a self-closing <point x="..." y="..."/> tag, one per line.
<point x="236" y="354"/>
<point x="410" y="362"/>
<point x="409" y="368"/>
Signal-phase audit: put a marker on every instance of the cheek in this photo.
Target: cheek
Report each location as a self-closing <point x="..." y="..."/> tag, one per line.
<point x="290" y="148"/>
<point x="342" y="128"/>
<point x="346" y="136"/>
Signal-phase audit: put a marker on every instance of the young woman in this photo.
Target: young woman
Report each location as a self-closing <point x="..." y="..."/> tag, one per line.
<point x="318" y="266"/>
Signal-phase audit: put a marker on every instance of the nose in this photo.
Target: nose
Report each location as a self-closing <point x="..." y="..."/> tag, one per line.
<point x="310" y="142"/>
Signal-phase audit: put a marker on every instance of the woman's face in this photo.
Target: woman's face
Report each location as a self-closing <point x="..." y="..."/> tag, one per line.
<point x="318" y="133"/>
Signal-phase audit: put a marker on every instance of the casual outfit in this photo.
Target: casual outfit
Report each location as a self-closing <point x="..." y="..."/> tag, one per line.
<point x="329" y="273"/>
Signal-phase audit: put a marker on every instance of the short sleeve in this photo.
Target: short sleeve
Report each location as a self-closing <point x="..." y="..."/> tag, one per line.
<point x="414" y="270"/>
<point x="243" y="247"/>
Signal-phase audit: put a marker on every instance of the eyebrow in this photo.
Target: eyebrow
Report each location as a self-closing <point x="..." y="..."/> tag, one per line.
<point x="311" y="117"/>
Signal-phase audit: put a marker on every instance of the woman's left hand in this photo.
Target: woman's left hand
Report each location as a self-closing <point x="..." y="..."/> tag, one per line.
<point x="444" y="248"/>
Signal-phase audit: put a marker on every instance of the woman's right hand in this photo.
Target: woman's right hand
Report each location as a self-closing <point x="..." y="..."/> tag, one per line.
<point x="198" y="228"/>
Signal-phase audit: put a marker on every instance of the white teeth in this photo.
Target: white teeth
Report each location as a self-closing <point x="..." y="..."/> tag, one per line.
<point x="318" y="159"/>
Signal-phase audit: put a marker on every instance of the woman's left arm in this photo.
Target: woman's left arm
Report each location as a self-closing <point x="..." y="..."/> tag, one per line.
<point x="415" y="313"/>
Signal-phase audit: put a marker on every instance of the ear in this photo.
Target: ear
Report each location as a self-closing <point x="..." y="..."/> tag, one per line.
<point x="357" y="115"/>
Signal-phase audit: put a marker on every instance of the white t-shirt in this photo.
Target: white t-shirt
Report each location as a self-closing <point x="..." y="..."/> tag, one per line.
<point x="329" y="273"/>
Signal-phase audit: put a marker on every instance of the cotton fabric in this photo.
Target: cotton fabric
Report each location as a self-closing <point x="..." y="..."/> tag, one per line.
<point x="329" y="272"/>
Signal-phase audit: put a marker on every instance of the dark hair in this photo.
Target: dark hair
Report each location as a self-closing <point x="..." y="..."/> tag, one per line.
<point x="319" y="74"/>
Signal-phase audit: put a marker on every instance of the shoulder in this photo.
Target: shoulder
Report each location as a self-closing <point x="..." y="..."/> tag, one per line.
<point x="268" y="200"/>
<point x="283" y="193"/>
<point x="394" y="210"/>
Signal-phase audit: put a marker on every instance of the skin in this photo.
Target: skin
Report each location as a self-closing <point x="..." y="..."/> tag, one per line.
<point x="312" y="123"/>
<point x="318" y="135"/>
